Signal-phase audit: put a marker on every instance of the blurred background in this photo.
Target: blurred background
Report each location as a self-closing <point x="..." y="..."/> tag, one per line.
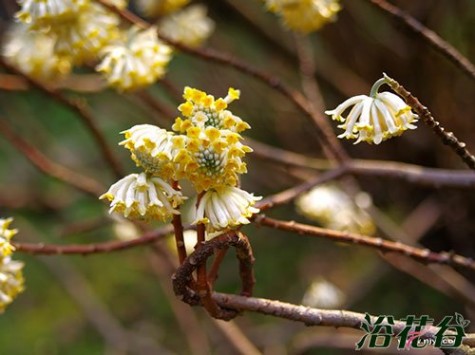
<point x="105" y="303"/>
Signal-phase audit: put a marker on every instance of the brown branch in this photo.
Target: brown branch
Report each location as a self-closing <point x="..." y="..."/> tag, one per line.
<point x="448" y="138"/>
<point x="429" y="36"/>
<point x="218" y="259"/>
<point x="79" y="108"/>
<point x="422" y="255"/>
<point x="274" y="82"/>
<point x="178" y="230"/>
<point x="86" y="249"/>
<point x="183" y="275"/>
<point x="42" y="163"/>
<point x="411" y="173"/>
<point x="86" y="83"/>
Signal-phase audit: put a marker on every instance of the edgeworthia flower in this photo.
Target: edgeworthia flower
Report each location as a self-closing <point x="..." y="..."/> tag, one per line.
<point x="374" y="118"/>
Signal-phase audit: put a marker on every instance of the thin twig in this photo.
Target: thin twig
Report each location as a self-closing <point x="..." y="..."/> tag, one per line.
<point x="178" y="229"/>
<point x="448" y="138"/>
<point x="422" y="255"/>
<point x="79" y="108"/>
<point x="44" y="164"/>
<point x="218" y="259"/>
<point x="86" y="249"/>
<point x="432" y="38"/>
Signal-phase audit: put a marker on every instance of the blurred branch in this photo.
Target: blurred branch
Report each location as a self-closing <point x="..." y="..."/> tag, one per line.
<point x="42" y="163"/>
<point x="85" y="249"/>
<point x="86" y="83"/>
<point x="448" y="138"/>
<point x="411" y="173"/>
<point x="434" y="40"/>
<point x="422" y="255"/>
<point x="80" y="108"/>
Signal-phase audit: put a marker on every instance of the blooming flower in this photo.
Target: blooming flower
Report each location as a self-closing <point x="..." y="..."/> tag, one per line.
<point x="153" y="149"/>
<point x="32" y="52"/>
<point x="334" y="209"/>
<point x="11" y="281"/>
<point x="84" y="35"/>
<point x="305" y="15"/>
<point x="374" y="118"/>
<point x="225" y="207"/>
<point x="202" y="110"/>
<point x="153" y="8"/>
<point x="136" y="62"/>
<point x="6" y="235"/>
<point x="190" y="26"/>
<point x="44" y="13"/>
<point x="143" y="196"/>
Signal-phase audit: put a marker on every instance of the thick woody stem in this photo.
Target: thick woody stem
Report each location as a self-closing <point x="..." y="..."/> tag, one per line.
<point x="448" y="138"/>
<point x="178" y="229"/>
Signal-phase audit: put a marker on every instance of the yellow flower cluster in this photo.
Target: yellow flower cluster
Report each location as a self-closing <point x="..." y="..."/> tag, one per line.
<point x="205" y="149"/>
<point x="11" y="276"/>
<point x="305" y="15"/>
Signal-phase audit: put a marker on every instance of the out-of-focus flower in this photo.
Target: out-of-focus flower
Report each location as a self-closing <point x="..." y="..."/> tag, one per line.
<point x="44" y="13"/>
<point x="153" y="148"/>
<point x="153" y="8"/>
<point x="305" y="15"/>
<point x="32" y="52"/>
<point x="323" y="294"/>
<point x="374" y="118"/>
<point x="202" y="110"/>
<point x="83" y="36"/>
<point x="11" y="281"/>
<point x="6" y="234"/>
<point x="143" y="196"/>
<point x="135" y="62"/>
<point x="225" y="207"/>
<point x="189" y="26"/>
<point x="334" y="209"/>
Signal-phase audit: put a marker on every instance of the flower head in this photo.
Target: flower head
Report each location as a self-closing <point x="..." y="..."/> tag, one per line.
<point x="332" y="208"/>
<point x="143" y="196"/>
<point x="305" y="15"/>
<point x="87" y="33"/>
<point x="153" y="8"/>
<point x="154" y="149"/>
<point x="203" y="110"/>
<point x="11" y="281"/>
<point x="225" y="207"/>
<point x="374" y="118"/>
<point x="44" y="13"/>
<point x="6" y="234"/>
<point x="135" y="62"/>
<point x="190" y="26"/>
<point x="33" y="53"/>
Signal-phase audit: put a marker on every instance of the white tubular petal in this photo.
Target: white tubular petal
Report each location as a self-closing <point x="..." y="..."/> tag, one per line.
<point x="378" y="134"/>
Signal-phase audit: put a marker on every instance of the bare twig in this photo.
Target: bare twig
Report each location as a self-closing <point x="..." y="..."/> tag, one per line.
<point x="434" y="40"/>
<point x="422" y="255"/>
<point x="218" y="259"/>
<point x="86" y="83"/>
<point x="42" y="163"/>
<point x="178" y="229"/>
<point x="79" y="108"/>
<point x="448" y="138"/>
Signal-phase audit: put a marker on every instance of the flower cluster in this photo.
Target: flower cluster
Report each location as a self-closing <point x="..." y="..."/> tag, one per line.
<point x="304" y="15"/>
<point x="334" y="209"/>
<point x="205" y="148"/>
<point x="374" y="118"/>
<point x="11" y="277"/>
<point x="154" y="8"/>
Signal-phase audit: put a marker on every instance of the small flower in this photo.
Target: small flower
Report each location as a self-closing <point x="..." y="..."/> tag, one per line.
<point x="143" y="196"/>
<point x="154" y="8"/>
<point x="11" y="281"/>
<point x="334" y="209"/>
<point x="202" y="110"/>
<point x="153" y="149"/>
<point x="33" y="53"/>
<point x="190" y="26"/>
<point x="83" y="36"/>
<point x="374" y="118"/>
<point x="137" y="62"/>
<point x="305" y="15"/>
<point x="225" y="207"/>
<point x="6" y="234"/>
<point x="44" y="13"/>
